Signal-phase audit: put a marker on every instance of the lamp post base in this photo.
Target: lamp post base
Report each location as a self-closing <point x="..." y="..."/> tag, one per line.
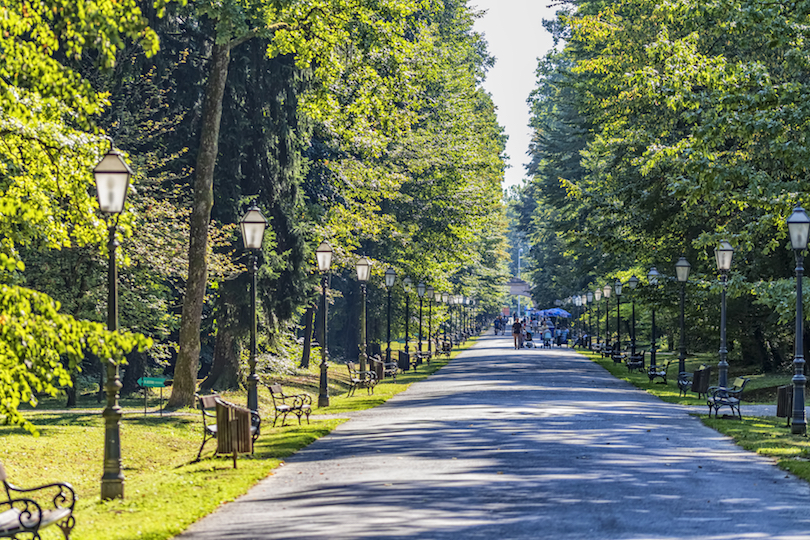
<point x="323" y="394"/>
<point x="253" y="392"/>
<point x="112" y="481"/>
<point x="798" y="425"/>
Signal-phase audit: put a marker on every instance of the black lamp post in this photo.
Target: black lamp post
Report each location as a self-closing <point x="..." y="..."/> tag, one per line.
<point x="390" y="279"/>
<point x="598" y="296"/>
<point x="606" y="293"/>
<point x="617" y="285"/>
<point x="633" y="283"/>
<point x="682" y="268"/>
<point x="406" y="285"/>
<point x="459" y="326"/>
<point x="324" y="256"/>
<point x="420" y="292"/>
<point x="446" y="300"/>
<point x="652" y="279"/>
<point x="799" y="227"/>
<point x="723" y="254"/>
<point x="253" y="225"/>
<point x="363" y="272"/>
<point x="589" y="298"/>
<point x="578" y="303"/>
<point x="467" y="318"/>
<point x="431" y="292"/>
<point x="112" y="176"/>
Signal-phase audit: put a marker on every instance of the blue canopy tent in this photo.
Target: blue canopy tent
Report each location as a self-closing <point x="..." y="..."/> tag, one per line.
<point x="554" y="312"/>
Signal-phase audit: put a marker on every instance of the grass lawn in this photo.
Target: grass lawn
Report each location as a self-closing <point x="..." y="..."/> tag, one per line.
<point x="761" y="389"/>
<point x="164" y="490"/>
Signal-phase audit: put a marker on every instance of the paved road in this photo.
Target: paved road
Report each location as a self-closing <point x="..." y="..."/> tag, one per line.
<point x="505" y="444"/>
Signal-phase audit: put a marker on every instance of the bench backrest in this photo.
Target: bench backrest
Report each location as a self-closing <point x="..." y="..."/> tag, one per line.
<point x="275" y="389"/>
<point x="207" y="402"/>
<point x="739" y="383"/>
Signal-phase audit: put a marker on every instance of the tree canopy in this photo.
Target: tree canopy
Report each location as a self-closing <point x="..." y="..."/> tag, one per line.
<point x="661" y="129"/>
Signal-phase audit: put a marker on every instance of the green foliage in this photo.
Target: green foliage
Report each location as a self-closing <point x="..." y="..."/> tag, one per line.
<point x="47" y="153"/>
<point x="40" y="346"/>
<point x="662" y="129"/>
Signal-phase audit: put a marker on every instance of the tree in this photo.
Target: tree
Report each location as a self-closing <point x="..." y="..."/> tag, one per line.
<point x="320" y="33"/>
<point x="46" y="157"/>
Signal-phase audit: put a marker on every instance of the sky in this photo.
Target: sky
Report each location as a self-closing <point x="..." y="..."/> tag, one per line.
<point x="516" y="37"/>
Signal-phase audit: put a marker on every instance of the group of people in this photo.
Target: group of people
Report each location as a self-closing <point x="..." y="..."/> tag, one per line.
<point x="522" y="330"/>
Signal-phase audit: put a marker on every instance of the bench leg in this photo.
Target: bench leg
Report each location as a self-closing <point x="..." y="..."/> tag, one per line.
<point x="67" y="525"/>
<point x="206" y="438"/>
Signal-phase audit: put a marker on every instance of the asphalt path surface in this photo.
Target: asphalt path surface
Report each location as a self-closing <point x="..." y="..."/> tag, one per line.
<point x="507" y="444"/>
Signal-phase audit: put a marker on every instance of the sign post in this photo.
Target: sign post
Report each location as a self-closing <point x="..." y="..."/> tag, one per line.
<point x="153" y="382"/>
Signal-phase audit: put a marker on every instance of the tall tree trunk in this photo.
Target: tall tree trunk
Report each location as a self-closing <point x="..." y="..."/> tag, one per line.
<point x="309" y="320"/>
<point x="71" y="391"/>
<point x="225" y="371"/>
<point x="185" y="372"/>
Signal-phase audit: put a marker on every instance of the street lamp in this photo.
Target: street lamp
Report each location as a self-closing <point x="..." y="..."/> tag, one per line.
<point x="578" y="303"/>
<point x="467" y="318"/>
<point x="406" y="285"/>
<point x="723" y="255"/>
<point x="682" y="268"/>
<point x="324" y="256"/>
<point x="589" y="298"/>
<point x="633" y="283"/>
<point x="446" y="300"/>
<point x="253" y="225"/>
<point x="420" y="291"/>
<point x="112" y="176"/>
<point x="606" y="293"/>
<point x="618" y="286"/>
<point x="431" y="292"/>
<point x="799" y="227"/>
<point x="390" y="279"/>
<point x="363" y="272"/>
<point x="598" y="296"/>
<point x="451" y="300"/>
<point x="520" y="252"/>
<point x="652" y="279"/>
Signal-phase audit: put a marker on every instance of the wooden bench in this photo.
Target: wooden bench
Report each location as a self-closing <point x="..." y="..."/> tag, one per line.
<point x="727" y="397"/>
<point x="423" y="356"/>
<point x="360" y="379"/>
<point x="606" y="351"/>
<point x="210" y="423"/>
<point x="635" y="361"/>
<point x="658" y="371"/>
<point x="616" y="353"/>
<point x="446" y="347"/>
<point x="21" y="514"/>
<point x="284" y="404"/>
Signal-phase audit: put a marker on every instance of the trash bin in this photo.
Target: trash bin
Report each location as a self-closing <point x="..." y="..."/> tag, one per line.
<point x="784" y="402"/>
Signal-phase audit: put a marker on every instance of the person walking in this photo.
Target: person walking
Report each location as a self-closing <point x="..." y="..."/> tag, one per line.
<point x="517" y="328"/>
